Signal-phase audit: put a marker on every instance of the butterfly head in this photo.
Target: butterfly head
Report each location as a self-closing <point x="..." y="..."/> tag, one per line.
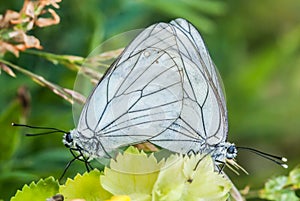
<point x="70" y="140"/>
<point x="223" y="152"/>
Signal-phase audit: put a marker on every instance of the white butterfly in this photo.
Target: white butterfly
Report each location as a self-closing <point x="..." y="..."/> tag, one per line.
<point x="202" y="125"/>
<point x="139" y="97"/>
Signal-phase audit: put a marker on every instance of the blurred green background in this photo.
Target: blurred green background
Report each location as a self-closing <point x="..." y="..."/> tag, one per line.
<point x="255" y="45"/>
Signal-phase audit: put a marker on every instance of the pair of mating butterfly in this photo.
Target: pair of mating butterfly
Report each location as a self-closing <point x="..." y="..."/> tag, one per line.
<point x="163" y="89"/>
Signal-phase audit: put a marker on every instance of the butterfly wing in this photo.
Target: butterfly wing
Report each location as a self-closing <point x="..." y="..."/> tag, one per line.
<point x="202" y="123"/>
<point x="140" y="95"/>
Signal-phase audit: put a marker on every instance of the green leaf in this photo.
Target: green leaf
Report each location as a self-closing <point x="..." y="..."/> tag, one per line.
<point x="168" y="187"/>
<point x="10" y="138"/>
<point x="86" y="186"/>
<point x="135" y="162"/>
<point x="294" y="177"/>
<point x="41" y="191"/>
<point x="283" y="187"/>
<point x="276" y="184"/>
<point x="190" y="184"/>
<point x="133" y="173"/>
<point x="142" y="178"/>
<point x="206" y="182"/>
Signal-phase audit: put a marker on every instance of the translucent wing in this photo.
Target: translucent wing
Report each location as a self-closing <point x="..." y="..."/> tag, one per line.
<point x="202" y="123"/>
<point x="140" y="96"/>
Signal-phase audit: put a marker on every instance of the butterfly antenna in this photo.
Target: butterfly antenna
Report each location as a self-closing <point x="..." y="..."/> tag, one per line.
<point x="43" y="133"/>
<point x="53" y="130"/>
<point x="276" y="159"/>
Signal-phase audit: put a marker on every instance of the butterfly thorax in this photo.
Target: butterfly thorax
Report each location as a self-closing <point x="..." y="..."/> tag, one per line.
<point x="89" y="146"/>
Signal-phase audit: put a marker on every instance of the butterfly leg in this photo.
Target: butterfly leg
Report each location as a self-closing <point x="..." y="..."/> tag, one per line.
<point x="66" y="168"/>
<point x="221" y="167"/>
<point x="81" y="157"/>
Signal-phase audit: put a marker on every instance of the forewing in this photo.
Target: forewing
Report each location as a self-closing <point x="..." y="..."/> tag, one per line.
<point x="203" y="120"/>
<point x="139" y="97"/>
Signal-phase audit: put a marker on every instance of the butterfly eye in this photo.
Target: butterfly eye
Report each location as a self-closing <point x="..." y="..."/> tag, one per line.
<point x="69" y="138"/>
<point x="231" y="152"/>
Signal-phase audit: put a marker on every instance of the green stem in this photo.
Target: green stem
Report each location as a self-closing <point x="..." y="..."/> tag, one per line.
<point x="66" y="94"/>
<point x="70" y="61"/>
<point x="252" y="194"/>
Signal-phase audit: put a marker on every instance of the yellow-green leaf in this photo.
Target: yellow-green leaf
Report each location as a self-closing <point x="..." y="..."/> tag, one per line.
<point x="86" y="186"/>
<point x="37" y="191"/>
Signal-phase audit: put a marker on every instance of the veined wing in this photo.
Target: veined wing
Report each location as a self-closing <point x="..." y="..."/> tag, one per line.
<point x="202" y="123"/>
<point x="140" y="96"/>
